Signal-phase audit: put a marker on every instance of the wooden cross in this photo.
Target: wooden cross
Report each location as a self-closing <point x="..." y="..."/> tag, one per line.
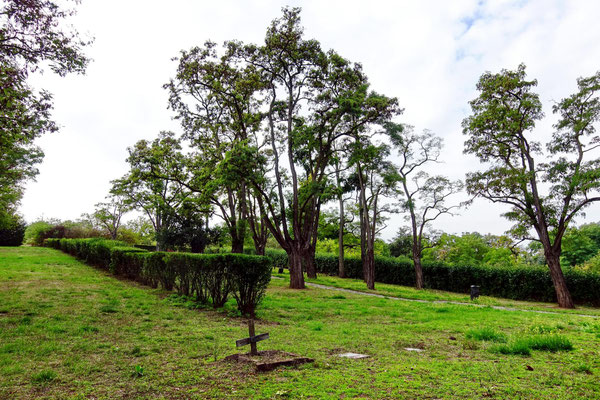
<point x="253" y="339"/>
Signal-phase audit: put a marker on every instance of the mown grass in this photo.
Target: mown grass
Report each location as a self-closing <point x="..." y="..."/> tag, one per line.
<point x="442" y="296"/>
<point x="69" y="331"/>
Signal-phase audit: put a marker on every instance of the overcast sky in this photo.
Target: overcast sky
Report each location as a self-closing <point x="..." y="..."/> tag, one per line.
<point x="429" y="54"/>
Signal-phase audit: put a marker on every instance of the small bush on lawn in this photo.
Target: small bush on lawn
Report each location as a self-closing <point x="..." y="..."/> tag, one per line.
<point x="44" y="376"/>
<point x="552" y="343"/>
<point x="486" y="334"/>
<point x="516" y="348"/>
<point x="251" y="276"/>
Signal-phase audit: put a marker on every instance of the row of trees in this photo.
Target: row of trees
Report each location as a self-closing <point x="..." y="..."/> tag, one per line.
<point x="273" y="132"/>
<point x="277" y="131"/>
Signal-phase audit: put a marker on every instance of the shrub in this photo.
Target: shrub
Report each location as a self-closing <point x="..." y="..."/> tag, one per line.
<point x="550" y="343"/>
<point x="12" y="231"/>
<point x="516" y="348"/>
<point x="250" y="278"/>
<point x="211" y="276"/>
<point x="519" y="283"/>
<point x="279" y="258"/>
<point x="486" y="334"/>
<point x="123" y="261"/>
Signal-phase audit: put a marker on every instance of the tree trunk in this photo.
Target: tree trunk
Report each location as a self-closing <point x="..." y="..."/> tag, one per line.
<point x="259" y="247"/>
<point x="237" y="245"/>
<point x="308" y="258"/>
<point x="341" y="269"/>
<point x="419" y="281"/>
<point x="558" y="279"/>
<point x="295" y="265"/>
<point x="369" y="267"/>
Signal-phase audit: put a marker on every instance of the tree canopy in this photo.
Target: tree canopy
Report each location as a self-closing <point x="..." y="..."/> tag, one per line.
<point x="501" y="134"/>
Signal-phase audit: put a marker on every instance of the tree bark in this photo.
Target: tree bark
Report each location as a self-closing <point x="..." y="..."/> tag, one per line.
<point x="419" y="281"/>
<point x="295" y="265"/>
<point x="369" y="267"/>
<point x="341" y="269"/>
<point x="308" y="258"/>
<point x="558" y="279"/>
<point x="237" y="244"/>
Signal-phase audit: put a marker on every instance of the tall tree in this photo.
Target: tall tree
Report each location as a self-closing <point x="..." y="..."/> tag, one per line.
<point x="312" y="98"/>
<point x="30" y="35"/>
<point x="424" y="195"/>
<point x="504" y="116"/>
<point x="108" y="215"/>
<point x="152" y="184"/>
<point x="375" y="177"/>
<point x="214" y="97"/>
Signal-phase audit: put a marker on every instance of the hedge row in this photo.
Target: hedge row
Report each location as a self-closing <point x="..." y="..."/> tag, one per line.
<point x="210" y="278"/>
<point x="519" y="283"/>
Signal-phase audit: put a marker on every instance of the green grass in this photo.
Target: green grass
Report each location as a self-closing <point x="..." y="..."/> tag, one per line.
<point x="551" y="343"/>
<point x="58" y="340"/>
<point x="486" y="334"/>
<point x="442" y="296"/>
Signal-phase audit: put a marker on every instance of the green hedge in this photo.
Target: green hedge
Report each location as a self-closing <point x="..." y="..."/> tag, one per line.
<point x="519" y="283"/>
<point x="208" y="277"/>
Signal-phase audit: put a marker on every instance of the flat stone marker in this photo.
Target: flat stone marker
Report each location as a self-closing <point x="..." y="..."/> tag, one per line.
<point x="413" y="349"/>
<point x="353" y="355"/>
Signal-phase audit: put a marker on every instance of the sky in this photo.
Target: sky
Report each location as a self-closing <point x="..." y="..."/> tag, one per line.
<point x="428" y="54"/>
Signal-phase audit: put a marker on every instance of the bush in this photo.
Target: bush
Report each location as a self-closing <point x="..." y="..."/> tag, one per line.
<point x="486" y="334"/>
<point x="251" y="276"/>
<point x="12" y="231"/>
<point x="124" y="261"/>
<point x="209" y="277"/>
<point x="550" y="343"/>
<point x="519" y="283"/>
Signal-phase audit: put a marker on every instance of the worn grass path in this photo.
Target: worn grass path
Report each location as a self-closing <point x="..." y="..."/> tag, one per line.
<point x="69" y="331"/>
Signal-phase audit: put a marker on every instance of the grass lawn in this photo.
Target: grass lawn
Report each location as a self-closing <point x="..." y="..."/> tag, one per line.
<point x="69" y="331"/>
<point x="439" y="295"/>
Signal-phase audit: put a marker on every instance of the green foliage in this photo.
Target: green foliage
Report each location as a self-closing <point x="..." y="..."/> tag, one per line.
<point x="544" y="196"/>
<point x="207" y="277"/>
<point x="580" y="244"/>
<point x="472" y="249"/>
<point x="486" y="334"/>
<point x="552" y="343"/>
<point x="12" y="230"/>
<point x="31" y="35"/>
<point x="40" y="231"/>
<point x="251" y="276"/>
<point x="512" y="282"/>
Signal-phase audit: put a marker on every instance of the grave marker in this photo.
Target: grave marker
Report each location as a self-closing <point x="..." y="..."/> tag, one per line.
<point x="252" y="339"/>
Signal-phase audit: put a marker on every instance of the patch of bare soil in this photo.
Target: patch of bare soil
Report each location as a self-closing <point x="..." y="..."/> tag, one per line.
<point x="268" y="360"/>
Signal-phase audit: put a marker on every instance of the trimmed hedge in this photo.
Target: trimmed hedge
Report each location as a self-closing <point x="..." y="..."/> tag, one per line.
<point x="518" y="283"/>
<point x="210" y="278"/>
<point x="189" y="273"/>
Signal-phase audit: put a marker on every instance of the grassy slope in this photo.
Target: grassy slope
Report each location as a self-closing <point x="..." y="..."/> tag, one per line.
<point x="70" y="331"/>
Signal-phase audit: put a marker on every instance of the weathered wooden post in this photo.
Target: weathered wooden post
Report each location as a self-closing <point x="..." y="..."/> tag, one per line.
<point x="252" y="339"/>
